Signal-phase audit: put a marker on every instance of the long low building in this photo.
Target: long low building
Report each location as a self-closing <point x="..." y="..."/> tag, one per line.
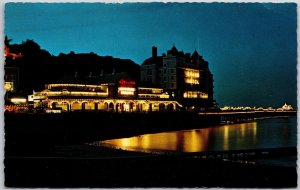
<point x="123" y="97"/>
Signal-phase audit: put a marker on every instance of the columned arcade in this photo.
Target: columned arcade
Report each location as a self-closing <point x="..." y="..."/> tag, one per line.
<point x="112" y="105"/>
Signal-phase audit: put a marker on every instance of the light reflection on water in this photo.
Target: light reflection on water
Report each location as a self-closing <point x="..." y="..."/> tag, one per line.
<point x="271" y="133"/>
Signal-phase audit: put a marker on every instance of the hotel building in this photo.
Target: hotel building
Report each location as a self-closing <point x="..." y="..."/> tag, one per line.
<point x="185" y="77"/>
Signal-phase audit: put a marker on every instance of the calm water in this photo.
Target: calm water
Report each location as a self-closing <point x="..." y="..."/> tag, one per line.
<point x="266" y="133"/>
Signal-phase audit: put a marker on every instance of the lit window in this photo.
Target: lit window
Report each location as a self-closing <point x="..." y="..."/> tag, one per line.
<point x="195" y="94"/>
<point x="191" y="76"/>
<point x="126" y="91"/>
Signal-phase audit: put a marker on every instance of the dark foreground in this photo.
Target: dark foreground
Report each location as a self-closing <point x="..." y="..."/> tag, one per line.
<point x="92" y="166"/>
<point x="142" y="172"/>
<point x="48" y="151"/>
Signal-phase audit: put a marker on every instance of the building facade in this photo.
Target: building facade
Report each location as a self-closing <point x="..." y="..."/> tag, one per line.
<point x="121" y="95"/>
<point x="185" y="77"/>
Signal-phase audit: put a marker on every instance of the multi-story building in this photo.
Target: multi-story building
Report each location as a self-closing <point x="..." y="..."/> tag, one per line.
<point x="183" y="76"/>
<point x="151" y="69"/>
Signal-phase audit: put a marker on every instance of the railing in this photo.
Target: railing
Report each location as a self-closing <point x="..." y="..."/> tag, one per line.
<point x="67" y="93"/>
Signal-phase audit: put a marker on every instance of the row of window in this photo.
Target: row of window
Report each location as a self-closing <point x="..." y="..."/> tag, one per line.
<point x="195" y="94"/>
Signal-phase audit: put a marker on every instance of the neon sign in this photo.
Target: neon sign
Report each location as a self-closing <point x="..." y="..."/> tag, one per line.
<point x="123" y="82"/>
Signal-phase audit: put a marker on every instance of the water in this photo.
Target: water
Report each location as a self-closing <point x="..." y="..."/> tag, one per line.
<point x="265" y="133"/>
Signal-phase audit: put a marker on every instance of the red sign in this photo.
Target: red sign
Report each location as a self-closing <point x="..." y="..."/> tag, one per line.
<point x="123" y="82"/>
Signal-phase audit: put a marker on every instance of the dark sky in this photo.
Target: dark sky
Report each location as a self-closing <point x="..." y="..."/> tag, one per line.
<point x="251" y="48"/>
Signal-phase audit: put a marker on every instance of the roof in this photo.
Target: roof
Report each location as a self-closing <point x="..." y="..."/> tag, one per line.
<point x="153" y="60"/>
<point x="173" y="51"/>
<point x="196" y="56"/>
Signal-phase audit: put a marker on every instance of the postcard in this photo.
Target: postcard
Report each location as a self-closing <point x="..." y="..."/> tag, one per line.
<point x="163" y="95"/>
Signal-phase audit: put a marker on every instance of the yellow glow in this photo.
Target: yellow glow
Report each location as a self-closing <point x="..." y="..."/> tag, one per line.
<point x="75" y="93"/>
<point x="191" y="73"/>
<point x="8" y="86"/>
<point x="18" y="100"/>
<point x="254" y="131"/>
<point x="146" y="142"/>
<point x="73" y="85"/>
<point x="76" y="106"/>
<point x="164" y="96"/>
<point x="125" y="142"/>
<point x="153" y="90"/>
<point x="154" y="95"/>
<point x="243" y="129"/>
<point x="157" y="91"/>
<point x="215" y="138"/>
<point x="191" y="81"/>
<point x="126" y="90"/>
<point x="225" y="146"/>
<point x="192" y="141"/>
<point x="195" y="94"/>
<point x="191" y="76"/>
<point x="195" y="142"/>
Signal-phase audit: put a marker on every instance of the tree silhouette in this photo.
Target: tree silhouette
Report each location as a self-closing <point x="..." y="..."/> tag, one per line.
<point x="38" y="67"/>
<point x="7" y="41"/>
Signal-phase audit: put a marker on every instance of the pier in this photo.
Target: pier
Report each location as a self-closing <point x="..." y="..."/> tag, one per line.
<point x="244" y="116"/>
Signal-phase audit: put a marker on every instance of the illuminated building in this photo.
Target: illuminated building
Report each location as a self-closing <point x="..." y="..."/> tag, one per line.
<point x="11" y="79"/>
<point x="11" y="74"/>
<point x="287" y="107"/>
<point x="123" y="97"/>
<point x="185" y="77"/>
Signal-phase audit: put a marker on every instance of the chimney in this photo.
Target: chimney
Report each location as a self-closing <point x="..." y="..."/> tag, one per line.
<point x="154" y="51"/>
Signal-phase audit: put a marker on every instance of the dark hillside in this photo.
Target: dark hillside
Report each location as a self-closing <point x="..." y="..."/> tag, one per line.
<point x="38" y="67"/>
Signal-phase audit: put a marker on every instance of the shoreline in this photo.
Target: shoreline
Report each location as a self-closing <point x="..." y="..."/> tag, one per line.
<point x="50" y="151"/>
<point x="74" y="128"/>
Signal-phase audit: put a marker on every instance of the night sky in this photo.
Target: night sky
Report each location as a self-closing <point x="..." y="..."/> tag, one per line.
<point x="251" y="48"/>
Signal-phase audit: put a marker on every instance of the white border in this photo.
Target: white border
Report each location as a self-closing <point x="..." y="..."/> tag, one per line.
<point x="2" y="3"/>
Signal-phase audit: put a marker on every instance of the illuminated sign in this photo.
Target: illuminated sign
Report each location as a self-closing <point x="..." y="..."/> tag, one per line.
<point x="123" y="82"/>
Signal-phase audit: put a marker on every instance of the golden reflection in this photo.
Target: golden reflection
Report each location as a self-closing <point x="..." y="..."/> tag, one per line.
<point x="227" y="137"/>
<point x="194" y="144"/>
<point x="161" y="141"/>
<point x="125" y="142"/>
<point x="254" y="131"/>
<point x="225" y="145"/>
<point x="146" y="141"/>
<point x="243" y="129"/>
